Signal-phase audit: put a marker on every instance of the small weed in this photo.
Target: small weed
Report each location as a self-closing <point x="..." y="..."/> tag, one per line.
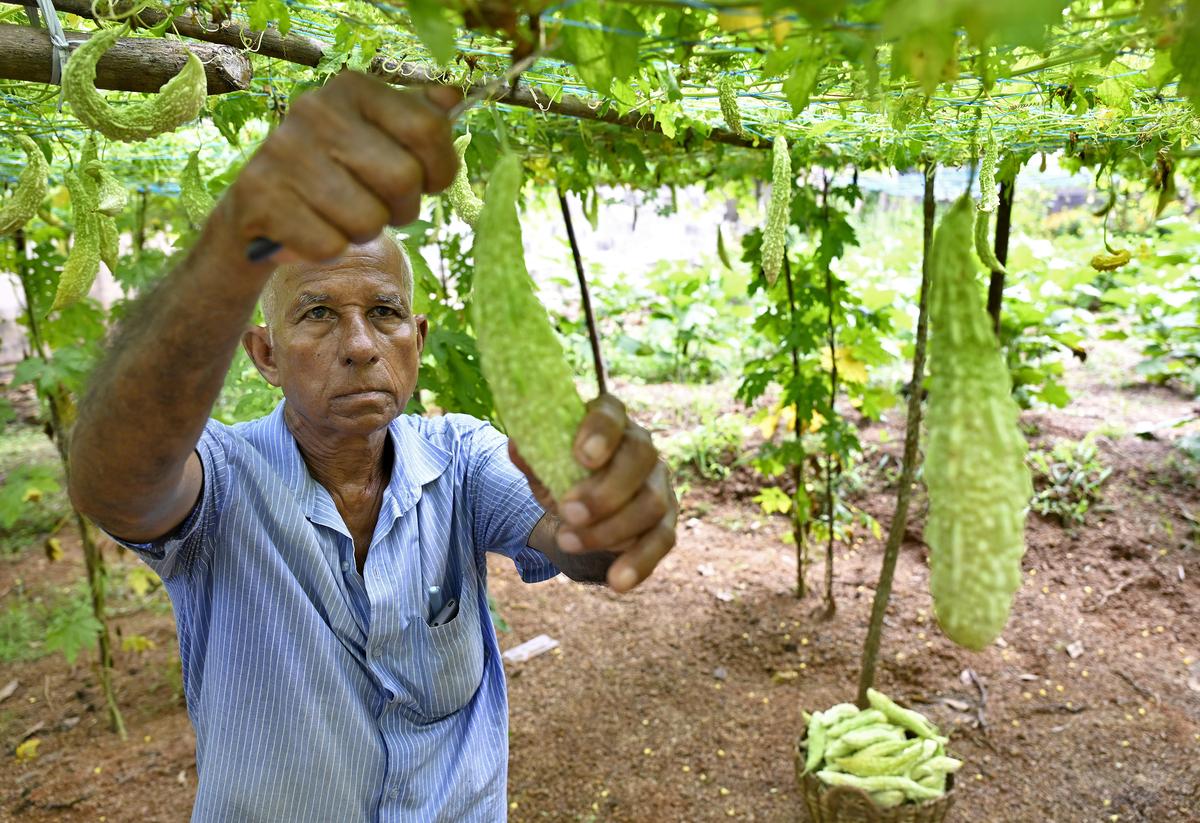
<point x="1067" y="480"/>
<point x="709" y="450"/>
<point x="33" y="626"/>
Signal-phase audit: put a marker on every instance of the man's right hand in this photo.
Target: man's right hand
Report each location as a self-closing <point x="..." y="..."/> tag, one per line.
<point x="348" y="159"/>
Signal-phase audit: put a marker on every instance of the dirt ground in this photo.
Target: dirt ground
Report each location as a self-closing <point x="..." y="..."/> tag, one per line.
<point x="682" y="702"/>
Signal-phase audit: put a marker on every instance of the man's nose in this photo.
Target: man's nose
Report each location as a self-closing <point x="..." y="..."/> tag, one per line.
<point x="359" y="346"/>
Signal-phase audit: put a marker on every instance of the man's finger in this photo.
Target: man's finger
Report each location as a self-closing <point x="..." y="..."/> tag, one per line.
<point x="606" y="491"/>
<point x="635" y="565"/>
<point x="636" y="517"/>
<point x="416" y="122"/>
<point x="601" y="431"/>
<point x="379" y="164"/>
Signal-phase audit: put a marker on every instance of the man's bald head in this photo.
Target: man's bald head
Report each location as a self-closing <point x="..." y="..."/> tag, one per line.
<point x="382" y="253"/>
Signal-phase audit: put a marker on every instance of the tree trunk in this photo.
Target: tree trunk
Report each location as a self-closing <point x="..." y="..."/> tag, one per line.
<point x="912" y="433"/>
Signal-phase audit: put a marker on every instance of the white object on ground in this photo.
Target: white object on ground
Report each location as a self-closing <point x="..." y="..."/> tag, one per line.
<point x="530" y="649"/>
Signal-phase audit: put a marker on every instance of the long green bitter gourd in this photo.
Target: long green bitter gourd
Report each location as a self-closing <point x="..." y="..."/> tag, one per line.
<point x="521" y="357"/>
<point x="979" y="486"/>
<point x="989" y="199"/>
<point x="462" y="197"/>
<point x="179" y="101"/>
<point x="729" y="106"/>
<point x="193" y="194"/>
<point x="775" y="234"/>
<point x="83" y="261"/>
<point x="30" y="190"/>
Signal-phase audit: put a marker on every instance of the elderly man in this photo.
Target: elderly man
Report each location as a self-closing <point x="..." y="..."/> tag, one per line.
<point x="326" y="562"/>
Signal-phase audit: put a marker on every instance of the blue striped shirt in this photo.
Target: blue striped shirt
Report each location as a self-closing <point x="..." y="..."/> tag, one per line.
<point x="317" y="693"/>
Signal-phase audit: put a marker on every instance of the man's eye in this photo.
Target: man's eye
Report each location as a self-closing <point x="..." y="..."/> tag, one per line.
<point x="385" y="311"/>
<point x="317" y="313"/>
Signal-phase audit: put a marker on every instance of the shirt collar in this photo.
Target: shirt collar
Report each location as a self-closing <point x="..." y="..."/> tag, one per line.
<point x="418" y="461"/>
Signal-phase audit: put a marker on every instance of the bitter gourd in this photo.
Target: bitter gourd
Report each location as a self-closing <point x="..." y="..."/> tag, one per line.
<point x="30" y="190"/>
<point x="774" y="240"/>
<point x="521" y="357"/>
<point x="989" y="198"/>
<point x="178" y="101"/>
<point x="872" y="749"/>
<point x="83" y="261"/>
<point x="979" y="486"/>
<point x="110" y="240"/>
<point x="729" y="106"/>
<point x="462" y="197"/>
<point x="1111" y="262"/>
<point x="193" y="194"/>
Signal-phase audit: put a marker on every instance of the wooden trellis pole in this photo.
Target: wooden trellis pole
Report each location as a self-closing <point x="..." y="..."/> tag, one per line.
<point x="306" y="52"/>
<point x="132" y="64"/>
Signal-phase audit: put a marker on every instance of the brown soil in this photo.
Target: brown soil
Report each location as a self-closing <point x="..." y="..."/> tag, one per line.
<point x="666" y="705"/>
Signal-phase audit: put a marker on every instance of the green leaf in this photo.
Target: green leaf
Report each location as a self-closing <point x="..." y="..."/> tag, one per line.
<point x="22" y="485"/>
<point x="264" y="12"/>
<point x="1055" y="394"/>
<point x="434" y="27"/>
<point x="773" y="499"/>
<point x="799" y="85"/>
<point x="602" y="40"/>
<point x="71" y="629"/>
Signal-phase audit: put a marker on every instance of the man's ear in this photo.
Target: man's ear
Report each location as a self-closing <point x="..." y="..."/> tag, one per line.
<point x="422" y="332"/>
<point x="257" y="344"/>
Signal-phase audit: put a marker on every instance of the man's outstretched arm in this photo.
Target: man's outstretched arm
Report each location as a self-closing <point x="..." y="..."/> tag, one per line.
<point x="349" y="158"/>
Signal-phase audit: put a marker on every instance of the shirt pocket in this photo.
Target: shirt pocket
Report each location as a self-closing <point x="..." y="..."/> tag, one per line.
<point x="447" y="661"/>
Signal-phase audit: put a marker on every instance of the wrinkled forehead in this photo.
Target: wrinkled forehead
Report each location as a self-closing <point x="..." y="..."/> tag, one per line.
<point x="376" y="266"/>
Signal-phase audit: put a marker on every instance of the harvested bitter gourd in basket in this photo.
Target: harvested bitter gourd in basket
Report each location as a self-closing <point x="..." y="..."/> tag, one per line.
<point x="979" y="486"/>
<point x="521" y="357"/>
<point x="884" y="762"/>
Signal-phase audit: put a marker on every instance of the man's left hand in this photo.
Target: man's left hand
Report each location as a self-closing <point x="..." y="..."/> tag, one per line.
<point x="625" y="507"/>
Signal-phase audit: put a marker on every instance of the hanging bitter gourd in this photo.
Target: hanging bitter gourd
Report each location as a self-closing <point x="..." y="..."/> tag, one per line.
<point x="774" y="240"/>
<point x="83" y="261"/>
<point x="178" y="101"/>
<point x="193" y="194"/>
<point x="729" y="106"/>
<point x="30" y="190"/>
<point x="462" y="197"/>
<point x="979" y="486"/>
<point x="989" y="199"/>
<point x="521" y="357"/>
<point x="111" y="194"/>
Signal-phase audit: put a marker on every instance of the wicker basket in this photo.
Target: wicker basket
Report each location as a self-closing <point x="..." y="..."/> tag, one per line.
<point x="845" y="804"/>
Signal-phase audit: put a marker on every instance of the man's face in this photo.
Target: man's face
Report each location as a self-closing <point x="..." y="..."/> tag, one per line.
<point x="345" y="345"/>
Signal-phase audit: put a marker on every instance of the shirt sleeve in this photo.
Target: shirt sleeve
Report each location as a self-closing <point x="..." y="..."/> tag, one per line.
<point x="176" y="553"/>
<point x="504" y="510"/>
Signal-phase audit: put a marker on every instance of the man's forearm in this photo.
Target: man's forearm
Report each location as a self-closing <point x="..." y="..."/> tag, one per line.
<point x="151" y="395"/>
<point x="591" y="567"/>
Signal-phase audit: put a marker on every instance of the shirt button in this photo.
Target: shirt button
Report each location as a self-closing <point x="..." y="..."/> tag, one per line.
<point x="345" y="565"/>
<point x="395" y="791"/>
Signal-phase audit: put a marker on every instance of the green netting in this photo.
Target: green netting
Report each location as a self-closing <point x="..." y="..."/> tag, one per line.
<point x="875" y="83"/>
